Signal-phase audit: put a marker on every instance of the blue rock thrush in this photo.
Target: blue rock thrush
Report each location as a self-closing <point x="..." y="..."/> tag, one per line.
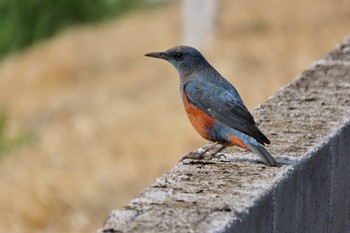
<point x="213" y="105"/>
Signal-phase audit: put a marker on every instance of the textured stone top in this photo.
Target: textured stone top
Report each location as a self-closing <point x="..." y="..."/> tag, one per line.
<point x="210" y="196"/>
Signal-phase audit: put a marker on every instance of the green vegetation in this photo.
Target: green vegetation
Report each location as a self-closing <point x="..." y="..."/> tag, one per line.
<point x="8" y="144"/>
<point x="23" y="22"/>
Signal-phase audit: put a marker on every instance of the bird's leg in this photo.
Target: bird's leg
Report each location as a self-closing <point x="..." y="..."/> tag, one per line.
<point x="201" y="155"/>
<point x="194" y="155"/>
<point x="215" y="154"/>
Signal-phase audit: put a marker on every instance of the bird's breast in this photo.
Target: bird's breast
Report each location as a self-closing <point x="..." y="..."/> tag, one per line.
<point x="200" y="120"/>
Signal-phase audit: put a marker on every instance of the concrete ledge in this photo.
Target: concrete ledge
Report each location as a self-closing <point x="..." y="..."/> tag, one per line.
<point x="308" y="123"/>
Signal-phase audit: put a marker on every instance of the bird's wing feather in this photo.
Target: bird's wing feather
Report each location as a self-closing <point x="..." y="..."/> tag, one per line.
<point x="223" y="104"/>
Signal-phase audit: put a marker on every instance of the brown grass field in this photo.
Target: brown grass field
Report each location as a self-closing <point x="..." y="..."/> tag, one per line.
<point x="107" y="120"/>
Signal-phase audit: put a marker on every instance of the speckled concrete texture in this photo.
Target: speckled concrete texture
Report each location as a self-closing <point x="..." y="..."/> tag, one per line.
<point x="308" y="123"/>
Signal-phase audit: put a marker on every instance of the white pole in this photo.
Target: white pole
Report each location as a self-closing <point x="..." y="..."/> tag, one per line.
<point x="198" y="19"/>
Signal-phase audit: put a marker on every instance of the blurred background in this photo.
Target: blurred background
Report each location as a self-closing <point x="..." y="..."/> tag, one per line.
<point x="87" y="122"/>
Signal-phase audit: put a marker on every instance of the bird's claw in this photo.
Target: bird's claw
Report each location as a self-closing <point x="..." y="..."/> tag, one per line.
<point x="193" y="155"/>
<point x="204" y="156"/>
<point x="217" y="156"/>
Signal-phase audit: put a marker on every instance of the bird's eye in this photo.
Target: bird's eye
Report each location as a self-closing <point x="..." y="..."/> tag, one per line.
<point x="178" y="55"/>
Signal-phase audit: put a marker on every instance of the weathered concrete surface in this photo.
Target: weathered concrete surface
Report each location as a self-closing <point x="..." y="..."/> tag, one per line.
<point x="308" y="123"/>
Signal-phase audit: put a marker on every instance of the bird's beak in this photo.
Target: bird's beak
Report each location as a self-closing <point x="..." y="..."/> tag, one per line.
<point x="161" y="55"/>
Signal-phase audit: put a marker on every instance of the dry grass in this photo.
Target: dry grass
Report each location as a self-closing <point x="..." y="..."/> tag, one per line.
<point x="108" y="120"/>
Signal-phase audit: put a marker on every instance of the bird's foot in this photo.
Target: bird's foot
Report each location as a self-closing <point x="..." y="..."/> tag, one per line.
<point x="193" y="155"/>
<point x="212" y="156"/>
<point x="216" y="154"/>
<point x="204" y="155"/>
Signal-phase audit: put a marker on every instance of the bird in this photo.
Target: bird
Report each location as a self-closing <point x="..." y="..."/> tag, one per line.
<point x="213" y="105"/>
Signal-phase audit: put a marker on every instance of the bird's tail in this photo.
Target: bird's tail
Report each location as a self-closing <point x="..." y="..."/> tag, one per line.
<point x="263" y="154"/>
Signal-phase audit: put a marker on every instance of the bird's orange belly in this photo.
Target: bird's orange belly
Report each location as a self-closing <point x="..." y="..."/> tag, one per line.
<point x="200" y="120"/>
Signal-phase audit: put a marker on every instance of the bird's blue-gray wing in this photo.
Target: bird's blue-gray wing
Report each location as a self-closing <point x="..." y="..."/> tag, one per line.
<point x="224" y="105"/>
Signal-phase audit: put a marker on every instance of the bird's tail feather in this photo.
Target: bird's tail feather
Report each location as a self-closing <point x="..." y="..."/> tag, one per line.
<point x="263" y="154"/>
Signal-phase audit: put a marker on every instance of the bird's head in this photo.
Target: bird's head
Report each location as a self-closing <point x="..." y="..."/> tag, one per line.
<point x="184" y="58"/>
